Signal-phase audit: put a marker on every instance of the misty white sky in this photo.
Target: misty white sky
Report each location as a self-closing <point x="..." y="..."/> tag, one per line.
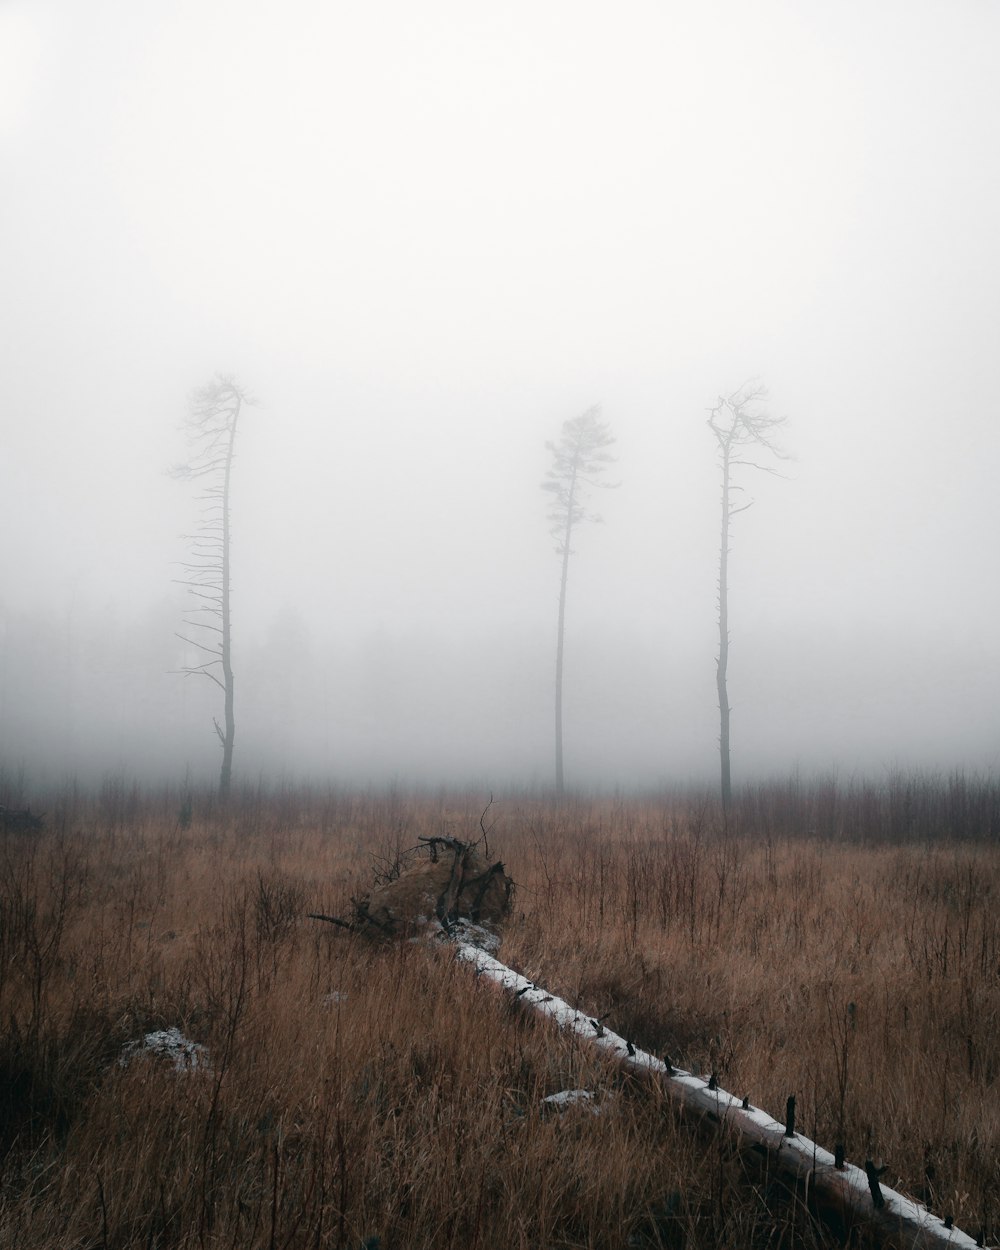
<point x="424" y="235"/>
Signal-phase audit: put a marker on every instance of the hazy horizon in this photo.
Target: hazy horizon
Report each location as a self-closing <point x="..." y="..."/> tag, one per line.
<point x="424" y="237"/>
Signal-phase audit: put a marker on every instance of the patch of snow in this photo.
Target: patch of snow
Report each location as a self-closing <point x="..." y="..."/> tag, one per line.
<point x="185" y="1055"/>
<point x="567" y="1098"/>
<point x="477" y="935"/>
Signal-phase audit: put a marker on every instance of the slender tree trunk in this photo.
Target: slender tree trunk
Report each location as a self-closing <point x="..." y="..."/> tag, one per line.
<point x="559" y="674"/>
<point x="229" y="734"/>
<point x="560" y="635"/>
<point x="723" y="660"/>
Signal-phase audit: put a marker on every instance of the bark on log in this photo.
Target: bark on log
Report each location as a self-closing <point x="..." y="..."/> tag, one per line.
<point x="845" y="1189"/>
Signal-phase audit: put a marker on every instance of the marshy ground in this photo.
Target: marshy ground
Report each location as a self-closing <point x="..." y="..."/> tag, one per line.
<point x="839" y="945"/>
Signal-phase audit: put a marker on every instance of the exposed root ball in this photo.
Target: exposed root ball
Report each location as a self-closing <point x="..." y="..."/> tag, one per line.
<point x="453" y="882"/>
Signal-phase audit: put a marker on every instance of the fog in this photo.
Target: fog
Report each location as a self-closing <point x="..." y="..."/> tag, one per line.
<point x="426" y="235"/>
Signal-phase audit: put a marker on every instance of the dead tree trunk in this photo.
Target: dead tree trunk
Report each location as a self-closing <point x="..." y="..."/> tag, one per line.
<point x="722" y="664"/>
<point x="228" y="734"/>
<point x="579" y="460"/>
<point x="561" y="635"/>
<point x="212" y="425"/>
<point x="738" y="424"/>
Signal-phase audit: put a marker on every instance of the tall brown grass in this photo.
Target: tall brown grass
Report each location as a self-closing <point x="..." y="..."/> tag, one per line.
<point x="361" y="1095"/>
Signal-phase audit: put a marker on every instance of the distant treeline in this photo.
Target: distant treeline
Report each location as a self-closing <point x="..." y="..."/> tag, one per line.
<point x="899" y="808"/>
<point x="903" y="807"/>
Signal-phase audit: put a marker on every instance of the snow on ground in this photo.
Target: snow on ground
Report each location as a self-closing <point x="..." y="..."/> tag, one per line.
<point x="185" y="1055"/>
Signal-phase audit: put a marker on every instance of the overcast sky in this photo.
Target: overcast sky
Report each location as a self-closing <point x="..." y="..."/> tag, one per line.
<point x="425" y="235"/>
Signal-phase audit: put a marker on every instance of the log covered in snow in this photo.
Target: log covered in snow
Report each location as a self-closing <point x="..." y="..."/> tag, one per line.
<point x="852" y="1192"/>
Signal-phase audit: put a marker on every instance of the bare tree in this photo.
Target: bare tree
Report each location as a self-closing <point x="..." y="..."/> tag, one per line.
<point x="578" y="461"/>
<point x="212" y="423"/>
<point x="739" y="424"/>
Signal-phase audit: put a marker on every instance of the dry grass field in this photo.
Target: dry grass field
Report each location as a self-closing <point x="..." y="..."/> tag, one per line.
<point x="839" y="944"/>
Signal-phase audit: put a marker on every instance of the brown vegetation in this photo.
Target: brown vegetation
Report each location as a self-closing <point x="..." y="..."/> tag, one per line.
<point x="355" y="1093"/>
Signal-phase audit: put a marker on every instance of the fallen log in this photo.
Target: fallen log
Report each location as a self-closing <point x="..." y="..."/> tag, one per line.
<point x="854" y="1193"/>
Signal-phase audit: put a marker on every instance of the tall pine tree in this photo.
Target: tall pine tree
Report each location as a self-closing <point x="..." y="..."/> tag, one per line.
<point x="579" y="460"/>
